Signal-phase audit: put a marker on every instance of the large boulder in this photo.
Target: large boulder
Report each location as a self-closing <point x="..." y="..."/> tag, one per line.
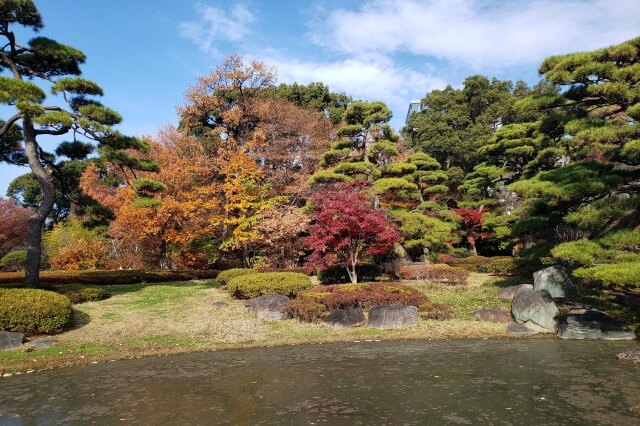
<point x="268" y="307"/>
<point x="501" y="316"/>
<point x="535" y="309"/>
<point x="348" y="317"/>
<point x="510" y="291"/>
<point x="10" y="340"/>
<point x="555" y="280"/>
<point x="392" y="316"/>
<point x="594" y="324"/>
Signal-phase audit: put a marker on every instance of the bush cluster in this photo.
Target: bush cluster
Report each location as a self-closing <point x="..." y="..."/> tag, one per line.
<point x="498" y="265"/>
<point x="436" y="311"/>
<point x="14" y="260"/>
<point x="439" y="273"/>
<point x="248" y="286"/>
<point x="78" y="293"/>
<point x="306" y="310"/>
<point x="34" y="312"/>
<point x="271" y="269"/>
<point x="624" y="274"/>
<point x="337" y="274"/>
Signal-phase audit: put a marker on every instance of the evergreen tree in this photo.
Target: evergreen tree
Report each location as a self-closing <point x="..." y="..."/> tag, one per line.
<point x="57" y="66"/>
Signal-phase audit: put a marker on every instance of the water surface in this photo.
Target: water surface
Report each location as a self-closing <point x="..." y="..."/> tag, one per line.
<point x="539" y="382"/>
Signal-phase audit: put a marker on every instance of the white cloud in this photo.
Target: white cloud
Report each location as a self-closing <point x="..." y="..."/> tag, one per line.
<point x="368" y="78"/>
<point x="217" y="24"/>
<point x="479" y="34"/>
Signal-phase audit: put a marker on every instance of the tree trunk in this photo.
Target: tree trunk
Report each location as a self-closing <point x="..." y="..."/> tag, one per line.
<point x="353" y="274"/>
<point x="37" y="220"/>
<point x="472" y="244"/>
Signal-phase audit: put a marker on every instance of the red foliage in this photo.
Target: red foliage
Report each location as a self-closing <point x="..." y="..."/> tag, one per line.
<point x="13" y="225"/>
<point x="346" y="227"/>
<point x="365" y="296"/>
<point x="472" y="224"/>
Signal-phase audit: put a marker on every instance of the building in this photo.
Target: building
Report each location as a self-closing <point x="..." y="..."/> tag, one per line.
<point x="414" y="106"/>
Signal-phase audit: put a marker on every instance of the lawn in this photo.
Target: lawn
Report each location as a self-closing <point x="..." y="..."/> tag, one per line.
<point x="150" y="319"/>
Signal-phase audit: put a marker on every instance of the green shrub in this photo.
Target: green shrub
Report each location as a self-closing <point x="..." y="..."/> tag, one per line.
<point x="225" y="276"/>
<point x="14" y="260"/>
<point x="439" y="273"/>
<point x="253" y="285"/>
<point x="78" y="293"/>
<point x="337" y="274"/>
<point x="626" y="274"/>
<point x="34" y="312"/>
<point x="580" y="252"/>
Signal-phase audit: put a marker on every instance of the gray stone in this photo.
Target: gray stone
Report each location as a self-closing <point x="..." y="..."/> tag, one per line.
<point x="520" y="329"/>
<point x="219" y="305"/>
<point x="10" y="340"/>
<point x="631" y="354"/>
<point x="41" y="343"/>
<point x="392" y="316"/>
<point x="555" y="280"/>
<point x="594" y="325"/>
<point x="535" y="309"/>
<point x="349" y="317"/>
<point x="509" y="292"/>
<point x="268" y="307"/>
<point x="500" y="316"/>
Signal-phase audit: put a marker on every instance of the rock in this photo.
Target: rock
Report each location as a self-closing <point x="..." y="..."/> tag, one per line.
<point x="41" y="343"/>
<point x="535" y="309"/>
<point x="594" y="325"/>
<point x="268" y="307"/>
<point x="493" y="315"/>
<point x="632" y="354"/>
<point x="349" y="317"/>
<point x="219" y="305"/>
<point x="509" y="292"/>
<point x="10" y="340"/>
<point x="555" y="280"/>
<point x="520" y="329"/>
<point x="392" y="316"/>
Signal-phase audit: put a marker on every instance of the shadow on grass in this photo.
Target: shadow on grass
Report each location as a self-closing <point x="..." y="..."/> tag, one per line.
<point x="80" y="319"/>
<point x="502" y="282"/>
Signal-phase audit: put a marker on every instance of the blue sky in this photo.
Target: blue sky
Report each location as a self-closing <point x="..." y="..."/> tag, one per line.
<point x="145" y="53"/>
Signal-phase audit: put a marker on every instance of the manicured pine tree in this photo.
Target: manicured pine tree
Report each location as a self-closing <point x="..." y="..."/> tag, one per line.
<point x="56" y="66"/>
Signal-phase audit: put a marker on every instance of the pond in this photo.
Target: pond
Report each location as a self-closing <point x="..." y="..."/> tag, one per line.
<point x="535" y="381"/>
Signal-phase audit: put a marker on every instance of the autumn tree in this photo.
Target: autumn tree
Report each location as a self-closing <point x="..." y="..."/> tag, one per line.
<point x="57" y="66"/>
<point x="346" y="228"/>
<point x="13" y="226"/>
<point x="472" y="226"/>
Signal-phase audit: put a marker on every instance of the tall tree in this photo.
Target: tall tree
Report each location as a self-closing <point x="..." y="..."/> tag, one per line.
<point x="454" y="123"/>
<point x="56" y="65"/>
<point x="13" y="226"/>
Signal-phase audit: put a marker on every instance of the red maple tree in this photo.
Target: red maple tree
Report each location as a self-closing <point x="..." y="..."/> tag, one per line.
<point x="13" y="225"/>
<point x="347" y="227"/>
<point x="472" y="224"/>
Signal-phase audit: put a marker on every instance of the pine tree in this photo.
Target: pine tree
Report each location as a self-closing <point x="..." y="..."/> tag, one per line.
<point x="56" y="66"/>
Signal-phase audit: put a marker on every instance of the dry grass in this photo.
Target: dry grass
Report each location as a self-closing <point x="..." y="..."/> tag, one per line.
<point x="140" y="320"/>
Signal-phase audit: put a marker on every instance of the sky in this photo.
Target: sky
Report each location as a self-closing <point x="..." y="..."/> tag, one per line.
<point x="146" y="53"/>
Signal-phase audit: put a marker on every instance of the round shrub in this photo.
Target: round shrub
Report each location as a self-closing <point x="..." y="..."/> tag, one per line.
<point x="14" y="260"/>
<point x="257" y="284"/>
<point x="34" y="312"/>
<point x="81" y="293"/>
<point x="364" y="296"/>
<point x="436" y="311"/>
<point x="225" y="276"/>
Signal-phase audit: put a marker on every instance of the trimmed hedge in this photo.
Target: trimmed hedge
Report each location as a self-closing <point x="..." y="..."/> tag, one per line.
<point x="439" y="273"/>
<point x="337" y="274"/>
<point x="255" y="284"/>
<point x="498" y="265"/>
<point x="624" y="274"/>
<point x="104" y="277"/>
<point x="314" y="305"/>
<point x="225" y="276"/>
<point x="78" y="293"/>
<point x="34" y="312"/>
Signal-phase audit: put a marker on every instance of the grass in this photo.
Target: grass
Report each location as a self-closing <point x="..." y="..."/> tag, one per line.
<point x="152" y="319"/>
